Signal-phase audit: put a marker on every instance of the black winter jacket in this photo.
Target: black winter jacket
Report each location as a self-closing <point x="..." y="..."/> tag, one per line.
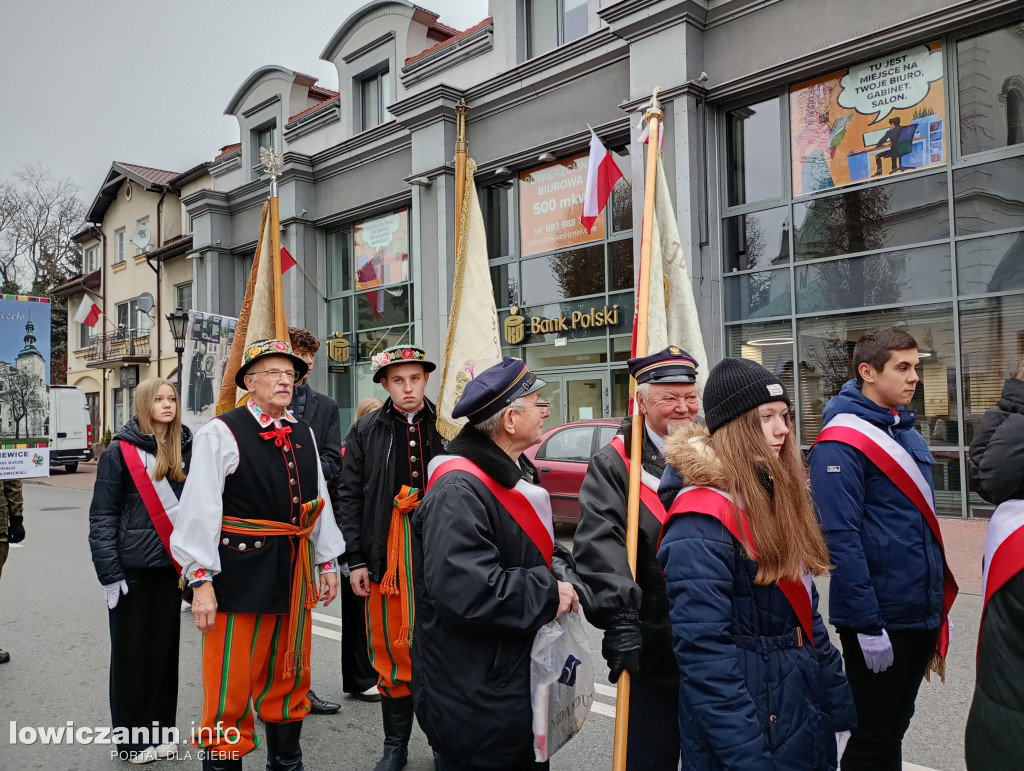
<point x="997" y="451"/>
<point x="600" y="551"/>
<point x="367" y="487"/>
<point x="121" y="534"/>
<point x="482" y="592"/>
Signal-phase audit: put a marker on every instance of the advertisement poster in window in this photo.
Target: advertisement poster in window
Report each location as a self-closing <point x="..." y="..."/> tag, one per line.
<point x="24" y="373"/>
<point x="550" y="205"/>
<point x="382" y="250"/>
<point x="207" y="345"/>
<point x="879" y="118"/>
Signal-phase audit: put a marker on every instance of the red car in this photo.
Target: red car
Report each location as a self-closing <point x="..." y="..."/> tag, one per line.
<point x="562" y="457"/>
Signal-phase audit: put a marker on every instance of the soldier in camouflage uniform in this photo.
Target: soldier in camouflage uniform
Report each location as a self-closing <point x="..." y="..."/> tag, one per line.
<point x="12" y="508"/>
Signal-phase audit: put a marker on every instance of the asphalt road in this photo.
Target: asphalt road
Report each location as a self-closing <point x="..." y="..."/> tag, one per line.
<point x="53" y="621"/>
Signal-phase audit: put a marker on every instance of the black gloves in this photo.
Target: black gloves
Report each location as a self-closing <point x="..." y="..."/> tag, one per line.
<point x="16" y="530"/>
<point x="621" y="649"/>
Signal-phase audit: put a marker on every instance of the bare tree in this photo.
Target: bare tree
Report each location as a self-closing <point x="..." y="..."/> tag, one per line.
<point x="9" y="200"/>
<point x="23" y="395"/>
<point x="47" y="213"/>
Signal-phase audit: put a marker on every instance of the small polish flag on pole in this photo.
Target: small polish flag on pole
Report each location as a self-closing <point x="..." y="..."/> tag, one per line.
<point x="88" y="312"/>
<point x="602" y="174"/>
<point x="287" y="261"/>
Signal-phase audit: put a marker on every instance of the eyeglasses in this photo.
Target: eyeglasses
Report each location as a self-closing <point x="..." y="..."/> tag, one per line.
<point x="540" y="405"/>
<point x="277" y="374"/>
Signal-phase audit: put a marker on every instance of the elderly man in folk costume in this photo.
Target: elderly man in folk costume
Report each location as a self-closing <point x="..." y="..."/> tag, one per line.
<point x="252" y="542"/>
<point x="386" y="457"/>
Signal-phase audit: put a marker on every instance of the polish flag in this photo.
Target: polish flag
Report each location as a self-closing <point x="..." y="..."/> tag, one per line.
<point x="88" y="312"/>
<point x="287" y="261"/>
<point x="602" y="174"/>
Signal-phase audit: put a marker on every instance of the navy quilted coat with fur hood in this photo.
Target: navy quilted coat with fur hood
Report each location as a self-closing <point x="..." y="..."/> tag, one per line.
<point x="750" y="698"/>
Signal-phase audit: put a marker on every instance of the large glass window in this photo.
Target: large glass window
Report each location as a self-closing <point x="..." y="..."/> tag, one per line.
<point x="496" y="207"/>
<point x="992" y="341"/>
<point x="551" y="23"/>
<point x="769" y="344"/>
<point x="877" y="279"/>
<point x="562" y="275"/>
<point x="873" y="218"/>
<point x="826" y="362"/>
<point x="758" y="295"/>
<point x="753" y="138"/>
<point x="991" y="264"/>
<point x="374" y="97"/>
<point x="991" y="84"/>
<point x="131" y="320"/>
<point x="758" y="240"/>
<point x="989" y="196"/>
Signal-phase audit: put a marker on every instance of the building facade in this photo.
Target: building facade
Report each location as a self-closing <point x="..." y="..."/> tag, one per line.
<point x="833" y="166"/>
<point x="134" y="267"/>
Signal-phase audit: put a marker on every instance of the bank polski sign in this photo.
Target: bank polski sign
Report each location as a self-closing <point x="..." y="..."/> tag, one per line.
<point x="569" y="320"/>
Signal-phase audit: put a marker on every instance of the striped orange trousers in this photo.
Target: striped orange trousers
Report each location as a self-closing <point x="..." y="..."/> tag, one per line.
<point x="387" y="642"/>
<point x="243" y="657"/>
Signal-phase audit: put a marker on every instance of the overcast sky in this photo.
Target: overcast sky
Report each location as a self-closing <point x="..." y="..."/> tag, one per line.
<point x="83" y="84"/>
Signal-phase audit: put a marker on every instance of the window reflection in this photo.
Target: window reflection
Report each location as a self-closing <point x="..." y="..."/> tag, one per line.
<point x="758" y="240"/>
<point x="377" y="340"/>
<point x="753" y="139"/>
<point x="877" y="279"/>
<point x="992" y="342"/>
<point x="620" y="264"/>
<point x="339" y="262"/>
<point x="769" y="344"/>
<point x="992" y="264"/>
<point x="905" y="212"/>
<point x="566" y="274"/>
<point x="991" y="82"/>
<point x="758" y="295"/>
<point x="989" y="196"/>
<point x="826" y="352"/>
<point x="505" y="283"/>
<point x="496" y="207"/>
<point x="383" y="307"/>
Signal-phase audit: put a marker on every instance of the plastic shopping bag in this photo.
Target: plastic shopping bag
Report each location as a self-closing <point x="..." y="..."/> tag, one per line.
<point x="561" y="683"/>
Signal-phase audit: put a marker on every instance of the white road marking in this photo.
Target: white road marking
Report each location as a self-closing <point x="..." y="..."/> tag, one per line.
<point x="602" y="709"/>
<point x="323" y="618"/>
<point x="326" y="633"/>
<point x="605" y="690"/>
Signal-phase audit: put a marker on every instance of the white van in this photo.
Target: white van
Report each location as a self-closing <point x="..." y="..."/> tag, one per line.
<point x="70" y="429"/>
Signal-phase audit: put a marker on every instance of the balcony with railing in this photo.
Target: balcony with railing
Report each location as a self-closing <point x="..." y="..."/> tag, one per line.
<point x="123" y="346"/>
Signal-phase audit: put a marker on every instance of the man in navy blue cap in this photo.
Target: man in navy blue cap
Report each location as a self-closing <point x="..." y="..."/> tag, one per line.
<point x="488" y="575"/>
<point x="634" y="613"/>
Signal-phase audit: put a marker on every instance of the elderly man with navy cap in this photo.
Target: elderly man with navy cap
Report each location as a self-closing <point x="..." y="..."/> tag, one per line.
<point x="485" y="563"/>
<point x="634" y="613"/>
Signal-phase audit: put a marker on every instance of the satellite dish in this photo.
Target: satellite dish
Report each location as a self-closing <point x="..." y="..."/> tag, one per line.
<point x="145" y="302"/>
<point x="140" y="236"/>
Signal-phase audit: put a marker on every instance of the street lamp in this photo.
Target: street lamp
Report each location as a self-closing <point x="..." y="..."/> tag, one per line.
<point x="178" y="320"/>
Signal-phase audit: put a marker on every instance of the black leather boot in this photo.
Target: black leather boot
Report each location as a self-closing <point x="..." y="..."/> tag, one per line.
<point x="283" y="750"/>
<point x="397" y="730"/>
<point x="218" y="764"/>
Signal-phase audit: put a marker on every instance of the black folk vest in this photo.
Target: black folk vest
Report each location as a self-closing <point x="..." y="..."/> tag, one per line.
<point x="270" y="483"/>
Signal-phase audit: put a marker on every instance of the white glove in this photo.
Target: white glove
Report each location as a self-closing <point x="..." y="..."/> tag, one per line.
<point x="877" y="651"/>
<point x="114" y="592"/>
<point x="842" y="737"/>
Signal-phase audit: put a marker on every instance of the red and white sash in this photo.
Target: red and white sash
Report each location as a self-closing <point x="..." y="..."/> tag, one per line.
<point x="1004" y="548"/>
<point x="717" y="504"/>
<point x="529" y="505"/>
<point x="648" y="482"/>
<point x="158" y="497"/>
<point x="896" y="463"/>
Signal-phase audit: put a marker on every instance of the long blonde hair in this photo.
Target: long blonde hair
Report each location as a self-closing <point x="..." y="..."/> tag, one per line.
<point x="168" y="454"/>
<point x="368" y="405"/>
<point x="785" y="531"/>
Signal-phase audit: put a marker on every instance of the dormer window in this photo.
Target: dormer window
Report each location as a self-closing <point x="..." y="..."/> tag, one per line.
<point x="551" y="23"/>
<point x="374" y="92"/>
<point x="264" y="136"/>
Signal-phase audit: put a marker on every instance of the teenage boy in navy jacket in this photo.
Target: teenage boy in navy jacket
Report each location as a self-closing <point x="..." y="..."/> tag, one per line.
<point x="886" y="592"/>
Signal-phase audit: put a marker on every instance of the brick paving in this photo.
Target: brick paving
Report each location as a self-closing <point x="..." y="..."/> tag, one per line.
<point x="965" y="547"/>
